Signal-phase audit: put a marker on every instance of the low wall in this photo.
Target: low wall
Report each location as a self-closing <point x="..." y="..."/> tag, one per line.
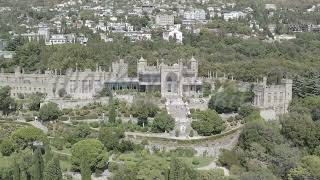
<point x="205" y="146"/>
<point x="72" y="103"/>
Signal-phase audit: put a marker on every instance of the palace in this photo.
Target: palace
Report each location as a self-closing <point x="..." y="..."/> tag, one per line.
<point x="175" y="79"/>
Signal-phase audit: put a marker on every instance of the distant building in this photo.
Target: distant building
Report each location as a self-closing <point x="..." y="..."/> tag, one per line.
<point x="42" y="34"/>
<point x="164" y="20"/>
<point x="284" y="37"/>
<point x="195" y="14"/>
<point x="234" y="15"/>
<point x="148" y="8"/>
<point x="61" y="39"/>
<point x="174" y="34"/>
<point x="138" y="35"/>
<point x="271" y="7"/>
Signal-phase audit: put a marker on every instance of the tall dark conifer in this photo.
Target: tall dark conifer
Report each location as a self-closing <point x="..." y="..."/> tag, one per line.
<point x="37" y="165"/>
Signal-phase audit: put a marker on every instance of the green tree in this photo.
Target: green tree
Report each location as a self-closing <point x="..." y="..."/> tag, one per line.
<point x="301" y="130"/>
<point x="85" y="169"/>
<point x="7" y="104"/>
<point x="16" y="171"/>
<point x="179" y="170"/>
<point x="82" y="131"/>
<point x="229" y="100"/>
<point x="112" y="114"/>
<point x="312" y="164"/>
<point x="206" y="89"/>
<point x="228" y="158"/>
<point x="28" y="56"/>
<point x="52" y="170"/>
<point x="7" y="146"/>
<point x="38" y="165"/>
<point x="261" y="175"/>
<point x="143" y="109"/>
<point x="163" y="122"/>
<point x="35" y="100"/>
<point x="215" y="174"/>
<point x="48" y="153"/>
<point x="93" y="150"/>
<point x="207" y="123"/>
<point x="298" y="173"/>
<point x="24" y="137"/>
<point x="125" y="173"/>
<point x="110" y="137"/>
<point x="49" y="111"/>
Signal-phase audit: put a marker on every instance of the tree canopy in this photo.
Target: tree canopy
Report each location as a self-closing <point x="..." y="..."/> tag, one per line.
<point x="49" y="112"/>
<point x="91" y="149"/>
<point x="207" y="123"/>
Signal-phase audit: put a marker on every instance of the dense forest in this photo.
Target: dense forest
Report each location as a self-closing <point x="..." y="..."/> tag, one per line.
<point x="244" y="59"/>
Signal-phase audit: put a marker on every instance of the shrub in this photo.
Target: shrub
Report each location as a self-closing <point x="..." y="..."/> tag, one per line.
<point x="94" y="124"/>
<point x="68" y="145"/>
<point x="67" y="111"/>
<point x="191" y="133"/>
<point x="144" y="142"/>
<point x="58" y="143"/>
<point x="64" y="118"/>
<point x="92" y="115"/>
<point x="7" y="147"/>
<point x="113" y="166"/>
<point x="195" y="161"/>
<point x="177" y="132"/>
<point x="184" y="152"/>
<point x="28" y="117"/>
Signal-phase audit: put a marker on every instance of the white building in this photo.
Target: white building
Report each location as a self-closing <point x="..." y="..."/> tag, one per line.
<point x="233" y="15"/>
<point x="138" y="35"/>
<point x="61" y="39"/>
<point x="195" y="14"/>
<point x="173" y="34"/>
<point x="164" y="20"/>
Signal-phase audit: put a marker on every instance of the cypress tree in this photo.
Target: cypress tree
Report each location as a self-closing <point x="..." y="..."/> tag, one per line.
<point x="85" y="169"/>
<point x="52" y="170"/>
<point x="174" y="169"/>
<point x="112" y="113"/>
<point x="38" y="165"/>
<point x="48" y="154"/>
<point x="16" y="171"/>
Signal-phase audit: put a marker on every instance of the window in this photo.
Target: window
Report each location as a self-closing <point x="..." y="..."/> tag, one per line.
<point x="269" y="98"/>
<point x="85" y="86"/>
<point x="73" y="86"/>
<point x="281" y="97"/>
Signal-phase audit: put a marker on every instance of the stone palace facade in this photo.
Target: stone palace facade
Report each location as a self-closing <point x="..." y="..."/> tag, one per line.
<point x="273" y="97"/>
<point x="176" y="80"/>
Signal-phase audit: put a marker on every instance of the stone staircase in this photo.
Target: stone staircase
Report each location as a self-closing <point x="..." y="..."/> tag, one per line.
<point x="178" y="110"/>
